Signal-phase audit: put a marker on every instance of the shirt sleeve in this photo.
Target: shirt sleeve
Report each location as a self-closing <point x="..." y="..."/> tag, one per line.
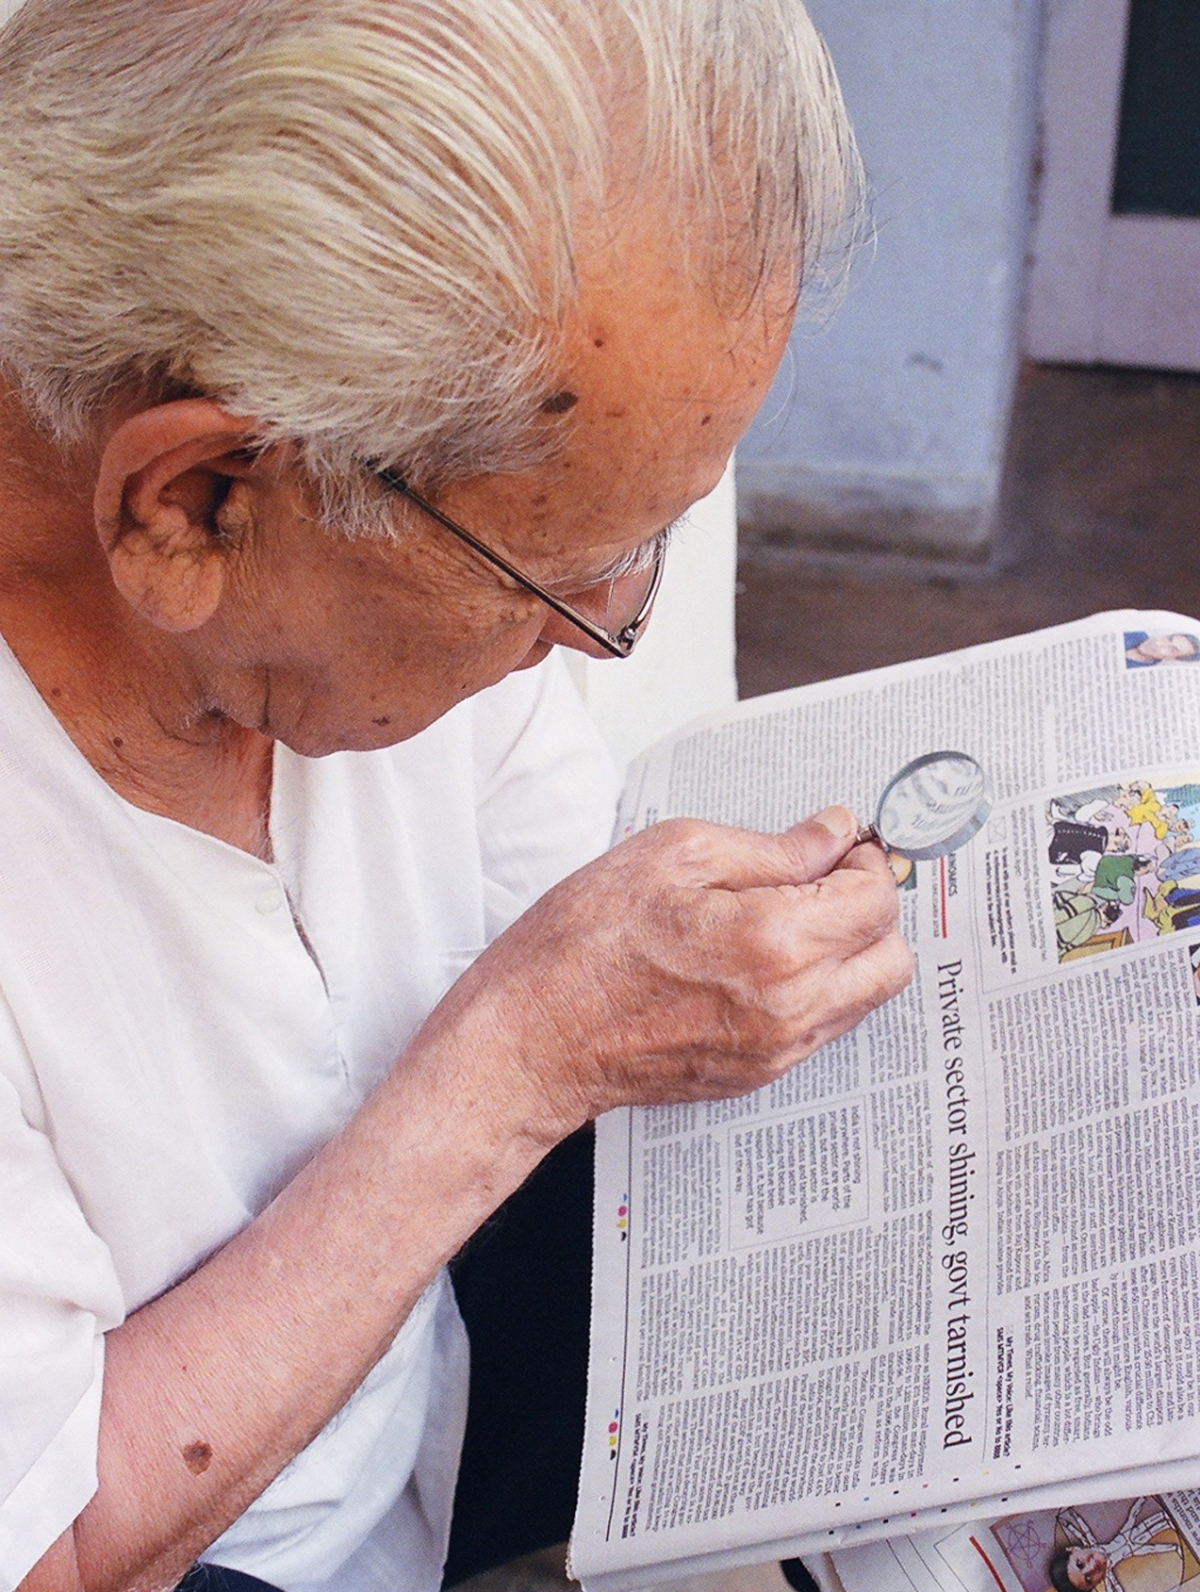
<point x="546" y="788"/>
<point x="58" y="1294"/>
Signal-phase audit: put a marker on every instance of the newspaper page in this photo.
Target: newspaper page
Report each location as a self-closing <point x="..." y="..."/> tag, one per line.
<point x="952" y="1257"/>
<point x="1150" y="1543"/>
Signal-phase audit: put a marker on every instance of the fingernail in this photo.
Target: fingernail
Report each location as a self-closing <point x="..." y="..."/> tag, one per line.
<point x="840" y="822"/>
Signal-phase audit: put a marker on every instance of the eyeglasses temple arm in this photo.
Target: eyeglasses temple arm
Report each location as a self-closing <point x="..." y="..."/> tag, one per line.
<point x="618" y="646"/>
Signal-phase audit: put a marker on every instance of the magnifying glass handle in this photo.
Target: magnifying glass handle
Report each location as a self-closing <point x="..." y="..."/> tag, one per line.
<point x="867" y="834"/>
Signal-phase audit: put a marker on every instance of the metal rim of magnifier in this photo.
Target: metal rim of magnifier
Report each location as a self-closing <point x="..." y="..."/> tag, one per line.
<point x="959" y="837"/>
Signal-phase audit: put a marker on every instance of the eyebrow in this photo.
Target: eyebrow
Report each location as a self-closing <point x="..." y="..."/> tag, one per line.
<point x="627" y="563"/>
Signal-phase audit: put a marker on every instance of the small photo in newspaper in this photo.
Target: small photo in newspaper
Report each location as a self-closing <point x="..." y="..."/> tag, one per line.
<point x="1135" y="1545"/>
<point x="1124" y="864"/>
<point x="1151" y="649"/>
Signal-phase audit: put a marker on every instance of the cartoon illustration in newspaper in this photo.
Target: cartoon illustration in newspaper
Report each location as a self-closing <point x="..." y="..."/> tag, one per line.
<point x="1135" y="1545"/>
<point x="1125" y="864"/>
<point x="904" y="871"/>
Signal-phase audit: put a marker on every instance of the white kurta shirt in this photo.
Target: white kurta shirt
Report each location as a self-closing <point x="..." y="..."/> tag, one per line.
<point x="172" y="1052"/>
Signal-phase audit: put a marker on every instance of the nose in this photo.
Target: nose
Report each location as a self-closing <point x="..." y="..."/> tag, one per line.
<point x="559" y="632"/>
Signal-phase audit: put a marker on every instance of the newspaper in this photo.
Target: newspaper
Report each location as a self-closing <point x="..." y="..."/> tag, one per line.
<point x="950" y="1266"/>
<point x="1150" y="1543"/>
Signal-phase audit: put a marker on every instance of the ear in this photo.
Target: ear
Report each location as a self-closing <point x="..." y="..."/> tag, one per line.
<point x="163" y="476"/>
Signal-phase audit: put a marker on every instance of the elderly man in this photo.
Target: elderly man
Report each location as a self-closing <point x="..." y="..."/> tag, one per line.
<point x="357" y="354"/>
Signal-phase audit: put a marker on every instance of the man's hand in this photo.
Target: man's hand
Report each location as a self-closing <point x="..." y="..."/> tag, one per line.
<point x="691" y="962"/>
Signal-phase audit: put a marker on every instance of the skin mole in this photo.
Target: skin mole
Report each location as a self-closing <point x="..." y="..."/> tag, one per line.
<point x="197" y="1457"/>
<point x="382" y="722"/>
<point x="559" y="402"/>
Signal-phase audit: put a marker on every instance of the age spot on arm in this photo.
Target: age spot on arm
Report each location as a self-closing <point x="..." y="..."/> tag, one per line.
<point x="197" y="1457"/>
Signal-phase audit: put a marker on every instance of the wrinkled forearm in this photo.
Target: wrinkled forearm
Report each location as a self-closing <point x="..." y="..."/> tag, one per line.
<point x="213" y="1388"/>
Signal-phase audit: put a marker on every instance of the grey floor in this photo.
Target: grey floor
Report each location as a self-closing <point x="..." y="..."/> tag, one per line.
<point x="1101" y="509"/>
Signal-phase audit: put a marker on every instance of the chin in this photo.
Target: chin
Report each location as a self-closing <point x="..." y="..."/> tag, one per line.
<point x="377" y="737"/>
<point x="324" y="725"/>
<point x="370" y="730"/>
<point x="322" y="740"/>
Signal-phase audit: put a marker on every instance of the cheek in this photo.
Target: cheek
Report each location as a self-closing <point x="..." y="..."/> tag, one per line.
<point x="462" y="654"/>
<point x="420" y="621"/>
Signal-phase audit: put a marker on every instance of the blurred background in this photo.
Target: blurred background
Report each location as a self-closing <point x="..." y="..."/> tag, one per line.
<point x="1000" y="429"/>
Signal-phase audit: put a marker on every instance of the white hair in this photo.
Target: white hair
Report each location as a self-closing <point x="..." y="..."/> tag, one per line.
<point x="354" y="220"/>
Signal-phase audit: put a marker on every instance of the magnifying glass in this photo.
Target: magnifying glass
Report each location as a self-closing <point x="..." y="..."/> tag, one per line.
<point x="932" y="806"/>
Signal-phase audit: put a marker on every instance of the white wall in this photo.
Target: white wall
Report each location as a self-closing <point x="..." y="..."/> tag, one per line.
<point x="685" y="663"/>
<point x="889" y="428"/>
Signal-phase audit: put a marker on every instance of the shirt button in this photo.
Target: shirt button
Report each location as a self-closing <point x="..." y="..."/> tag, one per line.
<point x="270" y="901"/>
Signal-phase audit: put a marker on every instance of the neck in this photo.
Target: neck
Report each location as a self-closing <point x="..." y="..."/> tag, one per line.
<point x="134" y="699"/>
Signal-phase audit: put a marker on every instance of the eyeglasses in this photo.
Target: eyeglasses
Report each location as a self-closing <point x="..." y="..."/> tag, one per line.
<point x="619" y="642"/>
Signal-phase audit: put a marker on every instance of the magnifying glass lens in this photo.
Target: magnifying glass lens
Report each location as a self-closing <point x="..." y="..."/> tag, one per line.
<point x="933" y="805"/>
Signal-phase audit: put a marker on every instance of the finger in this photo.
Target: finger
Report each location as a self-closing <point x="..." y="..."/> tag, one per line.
<point x="714" y="857"/>
<point x="778" y="937"/>
<point x="837" y="916"/>
<point x="876" y="974"/>
<point x="869" y="857"/>
<point x="856" y="986"/>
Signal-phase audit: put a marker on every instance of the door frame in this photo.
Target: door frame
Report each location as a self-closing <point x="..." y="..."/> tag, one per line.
<point x="1103" y="289"/>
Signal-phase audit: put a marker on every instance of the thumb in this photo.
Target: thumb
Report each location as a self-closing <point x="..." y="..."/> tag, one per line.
<point x="819" y="843"/>
<point x="742" y="859"/>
